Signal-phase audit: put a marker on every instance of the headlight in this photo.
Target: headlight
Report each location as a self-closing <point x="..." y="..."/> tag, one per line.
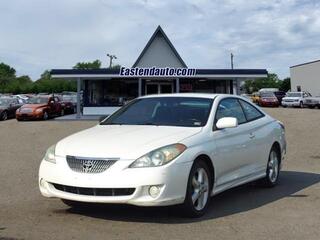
<point x="160" y="156"/>
<point x="39" y="110"/>
<point x="50" y="154"/>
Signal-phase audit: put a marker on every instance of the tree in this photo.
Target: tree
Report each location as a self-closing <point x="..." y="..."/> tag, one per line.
<point x="272" y="81"/>
<point x="285" y="85"/>
<point x="7" y="71"/>
<point x="88" y="65"/>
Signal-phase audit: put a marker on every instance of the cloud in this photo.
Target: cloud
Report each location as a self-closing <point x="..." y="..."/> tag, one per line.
<point x="42" y="34"/>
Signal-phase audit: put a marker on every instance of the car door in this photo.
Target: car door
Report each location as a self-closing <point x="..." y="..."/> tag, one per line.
<point x="259" y="136"/>
<point x="232" y="145"/>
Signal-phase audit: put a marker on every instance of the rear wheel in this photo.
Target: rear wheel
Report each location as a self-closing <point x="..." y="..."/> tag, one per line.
<point x="62" y="112"/>
<point x="4" y="116"/>
<point x="198" y="190"/>
<point x="273" y="169"/>
<point x="301" y="105"/>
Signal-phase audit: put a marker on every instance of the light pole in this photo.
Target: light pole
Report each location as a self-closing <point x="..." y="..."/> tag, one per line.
<point x="111" y="58"/>
<point x="231" y="60"/>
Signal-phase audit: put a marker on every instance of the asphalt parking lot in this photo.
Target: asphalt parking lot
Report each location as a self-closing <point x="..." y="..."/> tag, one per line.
<point x="288" y="211"/>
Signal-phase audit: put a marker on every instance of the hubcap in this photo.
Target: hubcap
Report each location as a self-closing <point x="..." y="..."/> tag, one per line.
<point x="273" y="167"/>
<point x="45" y="115"/>
<point x="5" y="116"/>
<point x="200" y="186"/>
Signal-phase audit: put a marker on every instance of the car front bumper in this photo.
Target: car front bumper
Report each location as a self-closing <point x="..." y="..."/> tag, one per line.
<point x="290" y="104"/>
<point x="171" y="179"/>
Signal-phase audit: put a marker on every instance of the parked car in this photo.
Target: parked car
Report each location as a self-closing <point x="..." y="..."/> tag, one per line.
<point x="268" y="99"/>
<point x="8" y="107"/>
<point x="69" y="102"/>
<point x="295" y="99"/>
<point x="164" y="150"/>
<point x="40" y="107"/>
<point x="312" y="102"/>
<point x="279" y="95"/>
<point x="21" y="98"/>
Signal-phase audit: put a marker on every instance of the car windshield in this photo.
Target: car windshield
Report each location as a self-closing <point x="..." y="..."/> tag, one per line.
<point x="4" y="101"/>
<point x="166" y="111"/>
<point x="69" y="98"/>
<point x="294" y="94"/>
<point x="267" y="94"/>
<point x="38" y="100"/>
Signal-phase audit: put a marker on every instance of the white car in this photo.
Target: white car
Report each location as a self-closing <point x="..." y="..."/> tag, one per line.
<point x="295" y="99"/>
<point x="170" y="149"/>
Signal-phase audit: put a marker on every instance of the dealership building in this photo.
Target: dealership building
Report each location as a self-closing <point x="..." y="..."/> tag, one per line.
<point x="158" y="69"/>
<point x="306" y="77"/>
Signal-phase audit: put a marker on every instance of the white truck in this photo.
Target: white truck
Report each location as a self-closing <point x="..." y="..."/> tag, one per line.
<point x="295" y="99"/>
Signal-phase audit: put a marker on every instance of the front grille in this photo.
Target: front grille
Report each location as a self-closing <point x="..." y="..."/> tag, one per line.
<point x="95" y="191"/>
<point x="86" y="165"/>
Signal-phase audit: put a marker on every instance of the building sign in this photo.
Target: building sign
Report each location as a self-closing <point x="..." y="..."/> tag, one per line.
<point x="154" y="71"/>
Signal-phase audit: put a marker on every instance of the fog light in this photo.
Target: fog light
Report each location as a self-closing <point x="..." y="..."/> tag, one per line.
<point x="42" y="183"/>
<point x="154" y="191"/>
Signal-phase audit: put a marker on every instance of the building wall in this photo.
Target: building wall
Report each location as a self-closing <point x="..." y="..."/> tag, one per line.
<point x="159" y="54"/>
<point x="307" y="76"/>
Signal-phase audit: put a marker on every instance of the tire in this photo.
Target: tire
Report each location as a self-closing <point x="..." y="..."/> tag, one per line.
<point x="273" y="169"/>
<point x="73" y="204"/>
<point x="4" y="116"/>
<point x="62" y="112"/>
<point x="45" y="116"/>
<point x="198" y="192"/>
<point x="301" y="105"/>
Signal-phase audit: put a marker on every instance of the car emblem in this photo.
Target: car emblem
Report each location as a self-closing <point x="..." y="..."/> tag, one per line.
<point x="87" y="165"/>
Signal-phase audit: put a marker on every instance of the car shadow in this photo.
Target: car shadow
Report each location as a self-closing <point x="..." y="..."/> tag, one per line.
<point x="233" y="201"/>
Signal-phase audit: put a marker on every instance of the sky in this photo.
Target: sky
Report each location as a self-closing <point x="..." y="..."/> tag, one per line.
<point x="36" y="35"/>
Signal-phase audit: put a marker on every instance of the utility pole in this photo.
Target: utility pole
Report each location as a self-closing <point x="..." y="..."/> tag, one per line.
<point x="111" y="58"/>
<point x="231" y="60"/>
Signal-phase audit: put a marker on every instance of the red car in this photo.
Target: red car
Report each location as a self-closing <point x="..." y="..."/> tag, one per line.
<point x="40" y="107"/>
<point x="268" y="99"/>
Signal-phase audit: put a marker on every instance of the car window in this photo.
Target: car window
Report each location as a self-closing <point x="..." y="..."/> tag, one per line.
<point x="230" y="107"/>
<point x="250" y="111"/>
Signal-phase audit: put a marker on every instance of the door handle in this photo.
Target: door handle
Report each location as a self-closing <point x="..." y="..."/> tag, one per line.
<point x="251" y="136"/>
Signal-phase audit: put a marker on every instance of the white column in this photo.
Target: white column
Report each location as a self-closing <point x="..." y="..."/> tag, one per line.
<point x="177" y="85"/>
<point x="78" y="97"/>
<point x="234" y="86"/>
<point x="140" y="87"/>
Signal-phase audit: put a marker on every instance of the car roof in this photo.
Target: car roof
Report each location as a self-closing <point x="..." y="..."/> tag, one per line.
<point x="189" y="95"/>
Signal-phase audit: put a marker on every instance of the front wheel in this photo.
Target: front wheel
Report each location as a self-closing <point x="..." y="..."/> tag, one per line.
<point x="45" y="116"/>
<point x="273" y="169"/>
<point x="198" y="190"/>
<point x="4" y="116"/>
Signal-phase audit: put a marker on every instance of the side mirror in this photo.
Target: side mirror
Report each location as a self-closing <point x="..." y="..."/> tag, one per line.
<point x="227" y="122"/>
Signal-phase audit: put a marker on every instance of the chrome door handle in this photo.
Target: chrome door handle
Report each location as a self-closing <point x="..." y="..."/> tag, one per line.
<point x="251" y="136"/>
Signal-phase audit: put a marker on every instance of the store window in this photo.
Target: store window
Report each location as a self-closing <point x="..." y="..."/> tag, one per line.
<point x="204" y="85"/>
<point x="113" y="92"/>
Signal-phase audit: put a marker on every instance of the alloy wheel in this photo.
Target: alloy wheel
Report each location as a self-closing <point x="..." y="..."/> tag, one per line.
<point x="273" y="167"/>
<point x="200" y="189"/>
<point x="4" y="116"/>
<point x="45" y="116"/>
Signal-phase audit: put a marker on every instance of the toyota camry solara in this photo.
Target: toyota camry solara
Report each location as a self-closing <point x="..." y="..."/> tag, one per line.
<point x="171" y="149"/>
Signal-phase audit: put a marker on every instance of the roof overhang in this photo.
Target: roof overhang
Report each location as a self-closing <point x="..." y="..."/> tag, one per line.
<point x="200" y="73"/>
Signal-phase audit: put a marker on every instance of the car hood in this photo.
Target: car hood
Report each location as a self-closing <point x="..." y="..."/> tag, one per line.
<point x="122" y="141"/>
<point x="33" y="105"/>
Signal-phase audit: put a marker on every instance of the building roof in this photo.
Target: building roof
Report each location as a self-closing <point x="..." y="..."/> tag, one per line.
<point x="298" y="65"/>
<point x="160" y="31"/>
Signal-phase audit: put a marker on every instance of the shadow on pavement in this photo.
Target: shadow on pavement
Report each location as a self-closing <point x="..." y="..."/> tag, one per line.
<point x="233" y="201"/>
